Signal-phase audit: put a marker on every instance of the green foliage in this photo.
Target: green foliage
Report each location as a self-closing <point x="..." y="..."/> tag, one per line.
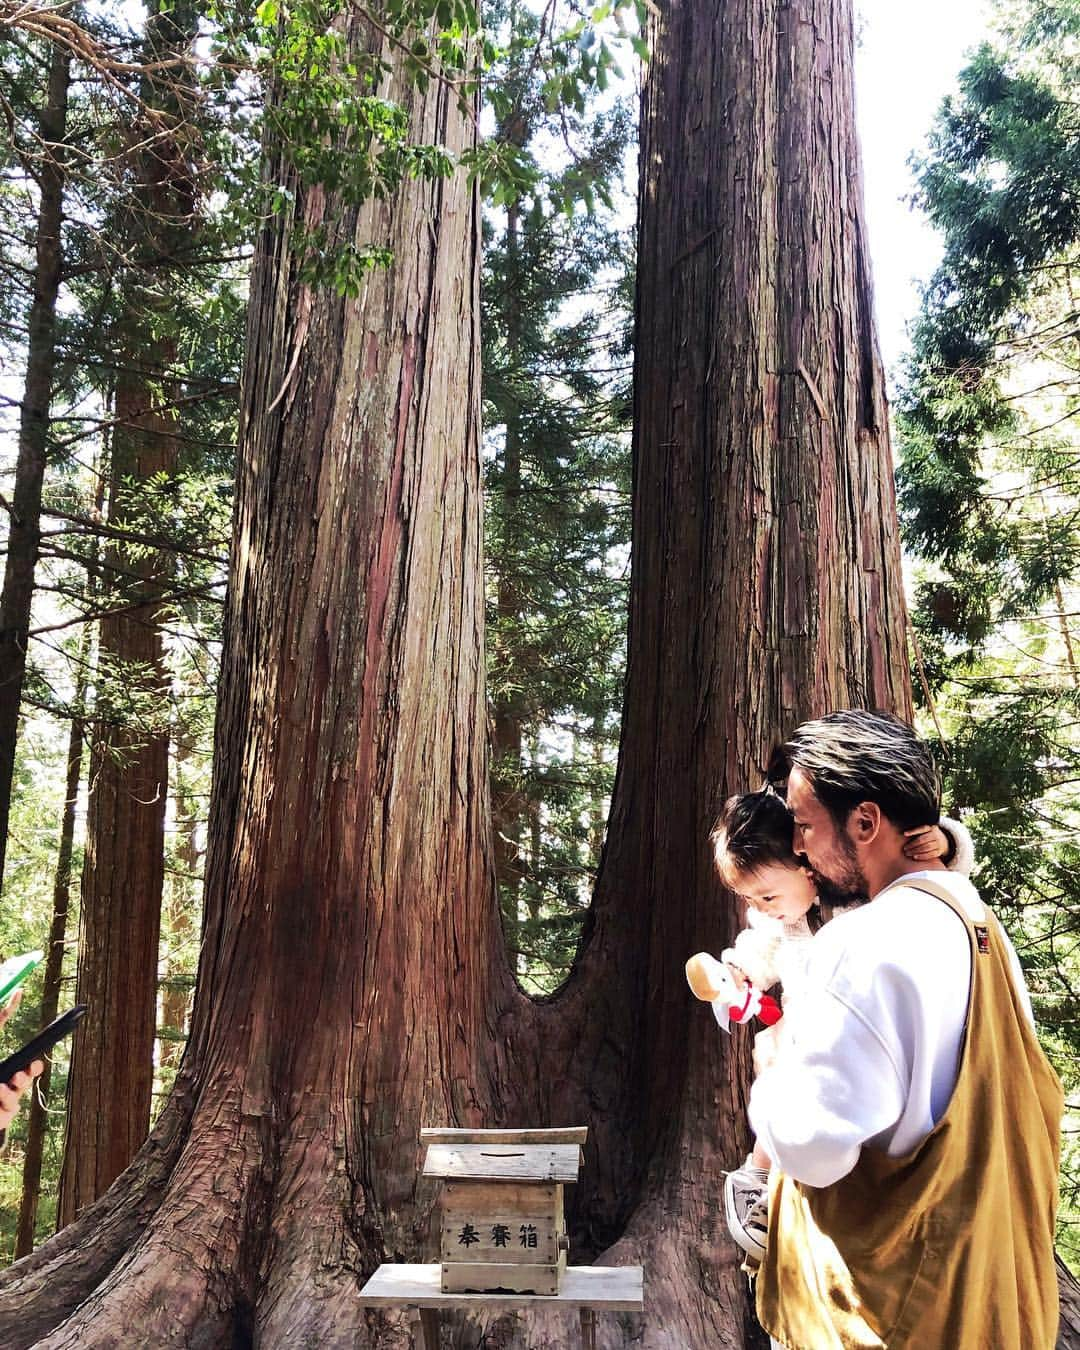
<point x="989" y="484"/>
<point x="555" y="324"/>
<point x="336" y="76"/>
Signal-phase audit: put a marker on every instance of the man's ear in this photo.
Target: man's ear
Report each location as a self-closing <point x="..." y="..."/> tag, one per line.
<point x="864" y="823"/>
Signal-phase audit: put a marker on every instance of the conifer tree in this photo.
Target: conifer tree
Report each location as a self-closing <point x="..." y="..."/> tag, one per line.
<point x="990" y="494"/>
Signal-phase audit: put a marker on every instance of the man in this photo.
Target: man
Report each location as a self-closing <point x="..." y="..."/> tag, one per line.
<point x="911" y="1115"/>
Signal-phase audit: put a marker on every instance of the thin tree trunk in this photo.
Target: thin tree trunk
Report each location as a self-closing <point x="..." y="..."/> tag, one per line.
<point x="597" y="812"/>
<point x="37" y="1121"/>
<point x="112" y="1063"/>
<point x="24" y="517"/>
<point x="1066" y="637"/>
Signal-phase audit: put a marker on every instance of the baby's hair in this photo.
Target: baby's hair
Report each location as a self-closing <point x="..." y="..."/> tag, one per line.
<point x="753" y="830"/>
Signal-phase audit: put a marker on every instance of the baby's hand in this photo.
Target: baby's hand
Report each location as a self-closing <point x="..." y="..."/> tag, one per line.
<point x="766" y="1047"/>
<point x="925" y="843"/>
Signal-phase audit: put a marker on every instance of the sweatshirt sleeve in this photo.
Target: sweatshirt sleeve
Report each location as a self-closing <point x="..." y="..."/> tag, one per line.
<point x="963" y="848"/>
<point x="835" y="1086"/>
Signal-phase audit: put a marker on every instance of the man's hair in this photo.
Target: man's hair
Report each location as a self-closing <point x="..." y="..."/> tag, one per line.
<point x="753" y="830"/>
<point x="854" y="756"/>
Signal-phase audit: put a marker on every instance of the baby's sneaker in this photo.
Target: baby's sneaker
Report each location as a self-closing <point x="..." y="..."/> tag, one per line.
<point x="746" y="1208"/>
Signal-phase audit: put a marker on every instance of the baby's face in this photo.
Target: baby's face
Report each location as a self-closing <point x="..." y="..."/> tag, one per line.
<point x="784" y="892"/>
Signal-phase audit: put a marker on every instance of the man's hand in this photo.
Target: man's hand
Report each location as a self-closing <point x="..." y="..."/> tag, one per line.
<point x="925" y="843"/>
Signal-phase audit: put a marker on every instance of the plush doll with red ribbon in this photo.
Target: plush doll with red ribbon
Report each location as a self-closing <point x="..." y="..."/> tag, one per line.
<point x="713" y="983"/>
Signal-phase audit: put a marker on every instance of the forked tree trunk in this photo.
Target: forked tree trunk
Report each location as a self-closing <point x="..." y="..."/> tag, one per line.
<point x="353" y="985"/>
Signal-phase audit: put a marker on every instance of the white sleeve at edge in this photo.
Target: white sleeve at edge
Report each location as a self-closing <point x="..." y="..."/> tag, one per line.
<point x="964" y="848"/>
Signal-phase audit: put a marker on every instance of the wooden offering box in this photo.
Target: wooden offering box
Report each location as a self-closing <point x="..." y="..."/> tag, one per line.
<point x="501" y="1228"/>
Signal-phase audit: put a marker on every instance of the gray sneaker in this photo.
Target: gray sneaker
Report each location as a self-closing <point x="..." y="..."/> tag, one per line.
<point x="746" y="1208"/>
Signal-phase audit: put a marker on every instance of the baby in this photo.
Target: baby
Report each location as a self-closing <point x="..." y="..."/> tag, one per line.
<point x="753" y="846"/>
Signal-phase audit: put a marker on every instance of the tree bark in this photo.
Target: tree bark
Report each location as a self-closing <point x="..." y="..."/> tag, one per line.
<point x="765" y="588"/>
<point x="54" y="963"/>
<point x="24" y="515"/>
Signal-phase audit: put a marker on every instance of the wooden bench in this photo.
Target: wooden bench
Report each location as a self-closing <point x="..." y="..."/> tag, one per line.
<point x="589" y="1289"/>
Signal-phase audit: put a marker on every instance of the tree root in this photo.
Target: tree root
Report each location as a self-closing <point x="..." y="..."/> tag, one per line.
<point x="160" y="1251"/>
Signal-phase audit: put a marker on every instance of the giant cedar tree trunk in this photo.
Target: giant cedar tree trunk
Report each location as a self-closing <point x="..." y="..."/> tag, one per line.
<point x="765" y="588"/>
<point x="350" y="923"/>
<point x="352" y="985"/>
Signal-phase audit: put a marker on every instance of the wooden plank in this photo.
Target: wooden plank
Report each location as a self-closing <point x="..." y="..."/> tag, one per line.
<point x="517" y="1239"/>
<point x="575" y="1134"/>
<point x="462" y="1277"/>
<point x="605" y="1288"/>
<point x="490" y="1162"/>
<point x="485" y="1197"/>
<point x="425" y="1328"/>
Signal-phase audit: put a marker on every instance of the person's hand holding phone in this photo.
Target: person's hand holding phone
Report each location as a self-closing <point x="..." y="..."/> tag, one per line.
<point x="12" y="1003"/>
<point x="11" y="1092"/>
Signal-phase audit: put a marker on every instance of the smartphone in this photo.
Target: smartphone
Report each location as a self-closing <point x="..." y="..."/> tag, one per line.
<point x="42" y="1042"/>
<point x="14" y="971"/>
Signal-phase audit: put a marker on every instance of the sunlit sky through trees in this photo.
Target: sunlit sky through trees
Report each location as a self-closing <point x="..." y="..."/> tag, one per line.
<point x="909" y="57"/>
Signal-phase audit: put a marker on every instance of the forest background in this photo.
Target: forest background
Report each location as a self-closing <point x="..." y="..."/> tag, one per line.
<point x="128" y="208"/>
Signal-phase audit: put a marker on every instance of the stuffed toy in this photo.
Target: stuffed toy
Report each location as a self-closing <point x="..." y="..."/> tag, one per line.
<point x="713" y="983"/>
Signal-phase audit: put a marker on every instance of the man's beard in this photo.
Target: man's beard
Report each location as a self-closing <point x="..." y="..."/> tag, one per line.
<point x="849" y="883"/>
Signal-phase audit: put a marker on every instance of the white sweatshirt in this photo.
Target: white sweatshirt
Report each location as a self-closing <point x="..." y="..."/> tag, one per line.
<point x="873" y="1056"/>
